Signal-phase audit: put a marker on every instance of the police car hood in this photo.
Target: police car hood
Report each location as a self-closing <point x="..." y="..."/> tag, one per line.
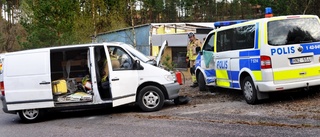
<point x="163" y="47"/>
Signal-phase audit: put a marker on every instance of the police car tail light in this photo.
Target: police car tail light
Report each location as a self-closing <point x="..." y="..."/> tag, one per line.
<point x="265" y="62"/>
<point x="2" y="88"/>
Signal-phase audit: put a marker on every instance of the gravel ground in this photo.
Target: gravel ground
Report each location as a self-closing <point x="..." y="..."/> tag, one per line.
<point x="299" y="105"/>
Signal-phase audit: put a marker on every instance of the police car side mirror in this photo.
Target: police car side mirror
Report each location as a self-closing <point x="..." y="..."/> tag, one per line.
<point x="198" y="49"/>
<point x="137" y="65"/>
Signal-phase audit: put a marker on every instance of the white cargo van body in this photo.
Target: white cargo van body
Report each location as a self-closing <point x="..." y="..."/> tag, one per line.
<point x="73" y="76"/>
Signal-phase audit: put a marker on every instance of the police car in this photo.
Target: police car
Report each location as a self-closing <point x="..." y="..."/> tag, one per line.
<point x="261" y="56"/>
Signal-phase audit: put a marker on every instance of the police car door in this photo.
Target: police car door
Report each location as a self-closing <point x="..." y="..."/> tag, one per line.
<point x="123" y="78"/>
<point x="222" y="59"/>
<point x="207" y="62"/>
<point x="293" y="46"/>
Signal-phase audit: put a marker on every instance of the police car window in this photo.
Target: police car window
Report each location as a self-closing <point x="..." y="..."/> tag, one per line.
<point x="236" y="38"/>
<point x="244" y="37"/>
<point x="293" y="31"/>
<point x="224" y="40"/>
<point x="208" y="46"/>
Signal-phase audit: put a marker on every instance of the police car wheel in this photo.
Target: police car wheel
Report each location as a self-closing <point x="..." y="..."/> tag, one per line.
<point x="30" y="115"/>
<point x="150" y="98"/>
<point x="201" y="82"/>
<point x="249" y="90"/>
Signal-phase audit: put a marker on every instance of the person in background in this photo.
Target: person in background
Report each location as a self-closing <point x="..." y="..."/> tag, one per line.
<point x="193" y="47"/>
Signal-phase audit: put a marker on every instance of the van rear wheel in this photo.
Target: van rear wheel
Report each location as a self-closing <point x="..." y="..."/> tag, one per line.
<point x="31" y="115"/>
<point x="249" y="90"/>
<point x="150" y="98"/>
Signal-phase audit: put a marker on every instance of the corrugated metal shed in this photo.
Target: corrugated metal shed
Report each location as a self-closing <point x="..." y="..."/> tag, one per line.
<point x="154" y="34"/>
<point x="125" y="35"/>
<point x="174" y="40"/>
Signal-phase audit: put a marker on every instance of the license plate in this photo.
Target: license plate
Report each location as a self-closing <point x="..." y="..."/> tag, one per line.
<point x="300" y="60"/>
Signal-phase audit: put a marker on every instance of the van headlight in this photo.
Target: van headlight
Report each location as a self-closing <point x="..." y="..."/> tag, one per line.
<point x="171" y="77"/>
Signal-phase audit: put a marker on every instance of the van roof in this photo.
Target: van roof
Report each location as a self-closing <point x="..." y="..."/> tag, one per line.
<point x="70" y="46"/>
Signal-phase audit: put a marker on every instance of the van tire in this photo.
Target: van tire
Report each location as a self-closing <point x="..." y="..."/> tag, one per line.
<point x="249" y="90"/>
<point x="31" y="115"/>
<point x="150" y="98"/>
<point x="201" y="82"/>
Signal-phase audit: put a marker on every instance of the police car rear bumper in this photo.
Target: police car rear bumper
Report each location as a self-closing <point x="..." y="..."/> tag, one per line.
<point x="270" y="86"/>
<point x="172" y="90"/>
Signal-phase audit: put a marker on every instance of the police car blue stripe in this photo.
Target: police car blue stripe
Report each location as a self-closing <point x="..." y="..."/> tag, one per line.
<point x="198" y="61"/>
<point x="235" y="85"/>
<point x="234" y="75"/>
<point x="256" y="41"/>
<point x="255" y="52"/>
<point x="252" y="64"/>
<point x="210" y="73"/>
<point x="311" y="47"/>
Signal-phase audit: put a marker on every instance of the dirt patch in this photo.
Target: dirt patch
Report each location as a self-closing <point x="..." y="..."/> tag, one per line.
<point x="296" y="105"/>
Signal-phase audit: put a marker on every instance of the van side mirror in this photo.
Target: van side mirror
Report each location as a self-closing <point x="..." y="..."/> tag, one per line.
<point x="137" y="65"/>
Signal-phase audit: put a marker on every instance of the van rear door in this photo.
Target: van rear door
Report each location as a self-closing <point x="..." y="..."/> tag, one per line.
<point x="27" y="81"/>
<point x="294" y="48"/>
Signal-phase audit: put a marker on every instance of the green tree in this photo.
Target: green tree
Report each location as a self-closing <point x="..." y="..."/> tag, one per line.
<point x="10" y="29"/>
<point x="48" y="23"/>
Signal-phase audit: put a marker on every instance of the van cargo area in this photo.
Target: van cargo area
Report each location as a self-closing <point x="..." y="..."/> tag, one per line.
<point x="70" y="76"/>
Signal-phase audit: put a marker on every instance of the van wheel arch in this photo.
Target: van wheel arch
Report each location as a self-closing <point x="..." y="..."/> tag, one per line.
<point x="150" y="98"/>
<point x="31" y="115"/>
<point x="164" y="92"/>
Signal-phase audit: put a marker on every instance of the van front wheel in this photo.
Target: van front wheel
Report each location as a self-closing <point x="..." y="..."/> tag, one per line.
<point x="150" y="98"/>
<point x="249" y="90"/>
<point x="31" y="115"/>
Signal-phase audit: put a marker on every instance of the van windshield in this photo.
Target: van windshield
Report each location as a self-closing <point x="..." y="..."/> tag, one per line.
<point x="136" y="53"/>
<point x="293" y="31"/>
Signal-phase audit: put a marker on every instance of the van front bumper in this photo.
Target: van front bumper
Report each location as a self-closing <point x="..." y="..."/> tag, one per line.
<point x="4" y="106"/>
<point x="270" y="86"/>
<point x="172" y="90"/>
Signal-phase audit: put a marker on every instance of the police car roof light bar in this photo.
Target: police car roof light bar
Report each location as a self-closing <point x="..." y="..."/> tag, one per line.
<point x="227" y="23"/>
<point x="268" y="12"/>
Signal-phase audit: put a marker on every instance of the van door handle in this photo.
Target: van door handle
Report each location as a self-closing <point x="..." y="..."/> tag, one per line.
<point x="115" y="79"/>
<point x="44" y="83"/>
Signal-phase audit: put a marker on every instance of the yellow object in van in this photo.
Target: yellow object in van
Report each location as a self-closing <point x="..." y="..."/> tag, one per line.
<point x="59" y="87"/>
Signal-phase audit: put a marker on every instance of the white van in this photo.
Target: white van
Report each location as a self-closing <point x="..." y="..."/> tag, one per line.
<point x="261" y="56"/>
<point x="72" y="77"/>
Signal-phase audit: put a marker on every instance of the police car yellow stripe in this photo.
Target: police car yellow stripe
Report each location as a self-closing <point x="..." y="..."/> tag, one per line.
<point x="215" y="43"/>
<point x="222" y="78"/>
<point x="296" y="73"/>
<point x="257" y="75"/>
<point x="260" y="33"/>
<point x="265" y="34"/>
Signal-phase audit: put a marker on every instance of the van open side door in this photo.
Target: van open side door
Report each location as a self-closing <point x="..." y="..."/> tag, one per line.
<point x="122" y="76"/>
